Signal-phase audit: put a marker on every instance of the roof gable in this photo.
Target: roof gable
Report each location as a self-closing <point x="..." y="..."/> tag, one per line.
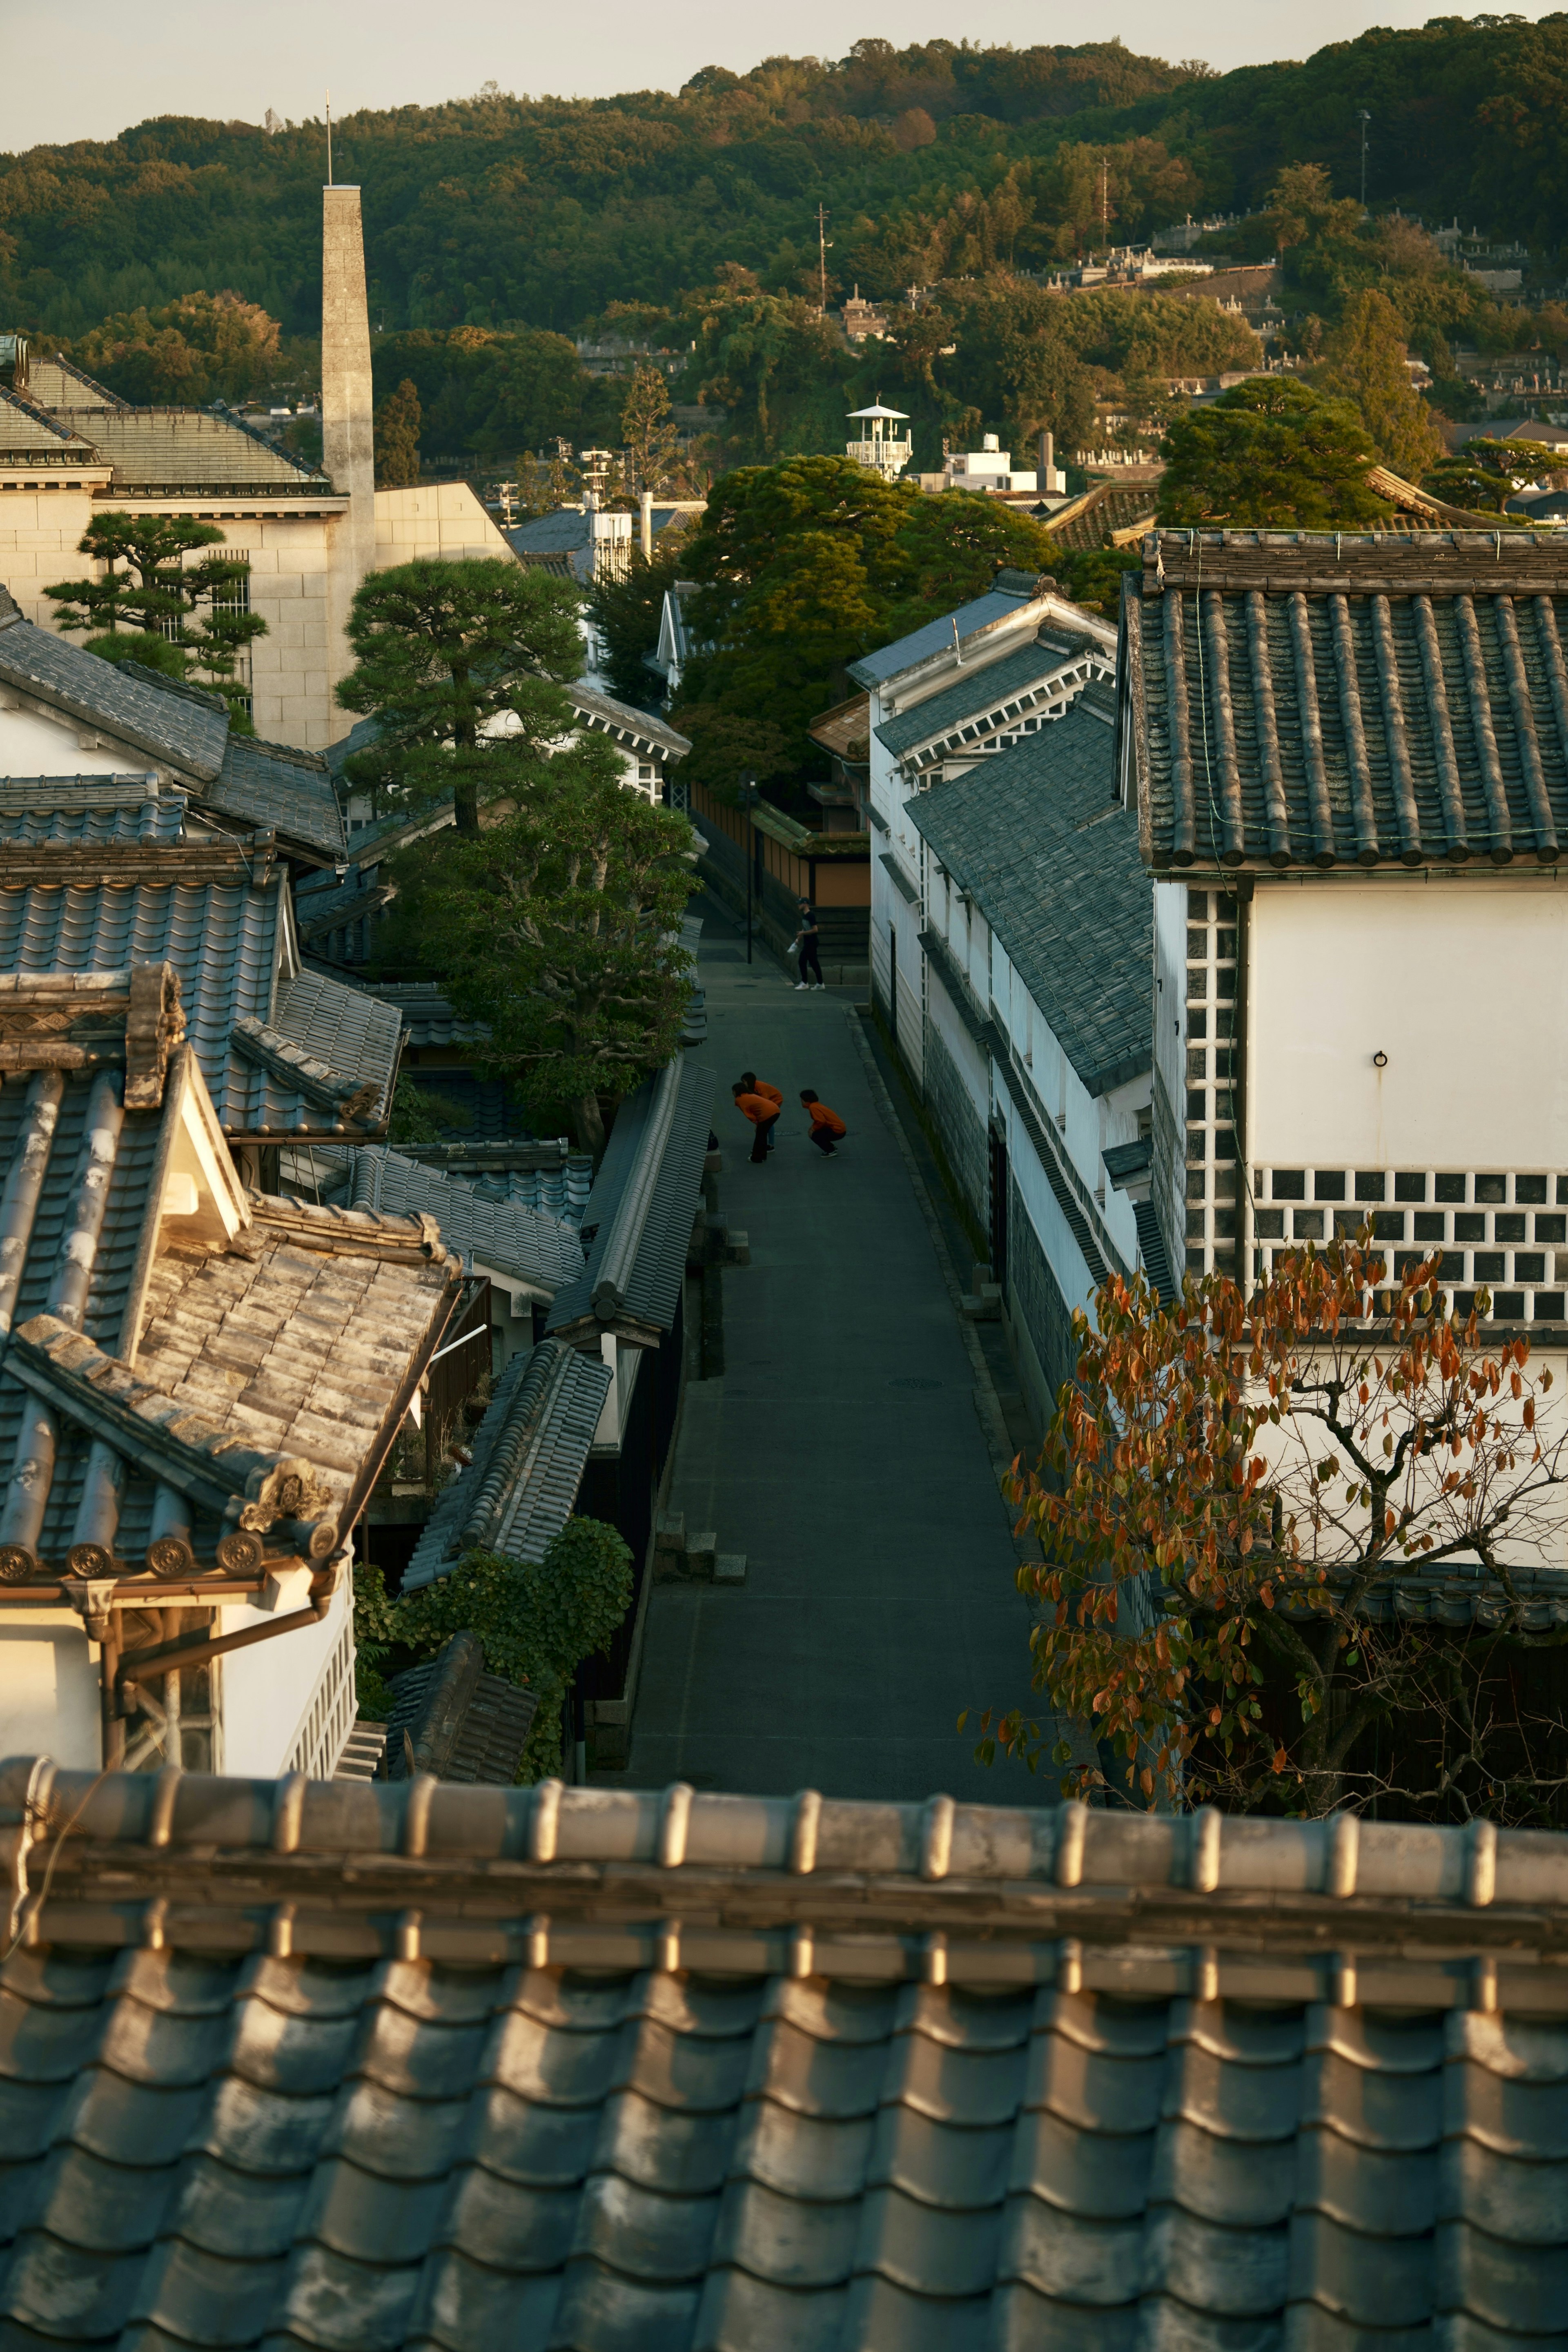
<point x="984" y="699"/>
<point x="877" y="669"/>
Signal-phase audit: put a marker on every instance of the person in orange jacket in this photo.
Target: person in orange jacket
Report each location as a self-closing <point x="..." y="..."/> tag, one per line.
<point x="762" y="1112"/>
<point x="826" y="1127"/>
<point x="755" y="1086"/>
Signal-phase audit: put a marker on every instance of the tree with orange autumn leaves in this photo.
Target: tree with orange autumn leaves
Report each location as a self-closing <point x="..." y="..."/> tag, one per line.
<point x="1230" y="1496"/>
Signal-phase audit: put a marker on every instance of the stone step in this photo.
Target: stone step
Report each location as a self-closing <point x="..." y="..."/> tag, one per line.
<point x="362" y="1752"/>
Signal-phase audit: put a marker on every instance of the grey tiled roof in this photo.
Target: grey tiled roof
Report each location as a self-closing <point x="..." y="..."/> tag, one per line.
<point x="181" y="447"/>
<point x="640" y="1213"/>
<point x="90" y="809"/>
<point x="530" y="1452"/>
<point x="290" y="1400"/>
<point x="1092" y="521"/>
<point x="1053" y="863"/>
<point x="1033" y="2081"/>
<point x="552" y="534"/>
<point x="905" y="653"/>
<point x="189" y="731"/>
<point x="24" y="425"/>
<point x="1348" y="700"/>
<point x="225" y="940"/>
<point x="503" y="1236"/>
<point x="271" y="785"/>
<point x="983" y="692"/>
<point x="597" y="710"/>
<point x="460" y="1723"/>
<point x="428" y="1014"/>
<point x="357" y="1035"/>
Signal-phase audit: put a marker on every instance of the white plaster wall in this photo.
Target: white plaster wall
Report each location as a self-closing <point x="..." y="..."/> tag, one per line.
<point x="48" y="1688"/>
<point x="1062" y="1252"/>
<point x="32" y="746"/>
<point x="1462" y="981"/>
<point x="266" y="1690"/>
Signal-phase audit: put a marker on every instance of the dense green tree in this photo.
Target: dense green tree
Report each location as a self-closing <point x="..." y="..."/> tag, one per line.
<point x="555" y="926"/>
<point x="804" y="566"/>
<point x="397" y="422"/>
<point x="498" y="209"/>
<point x="1364" y="361"/>
<point x="1270" y="454"/>
<point x="174" y="615"/>
<point x="184" y="354"/>
<point x="460" y="666"/>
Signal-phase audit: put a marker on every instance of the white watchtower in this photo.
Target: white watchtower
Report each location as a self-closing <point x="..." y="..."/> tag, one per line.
<point x="885" y="451"/>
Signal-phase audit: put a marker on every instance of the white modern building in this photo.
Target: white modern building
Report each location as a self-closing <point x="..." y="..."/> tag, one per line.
<point x="880" y="446"/>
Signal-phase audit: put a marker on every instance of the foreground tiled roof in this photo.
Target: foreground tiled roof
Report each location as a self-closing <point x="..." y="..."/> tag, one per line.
<point x="529" y="1452"/>
<point x="1053" y="867"/>
<point x="1300" y="701"/>
<point x="357" y="2067"/>
<point x="639" y="1214"/>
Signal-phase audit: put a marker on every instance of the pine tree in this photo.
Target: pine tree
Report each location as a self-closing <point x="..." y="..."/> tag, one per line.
<point x="458" y="663"/>
<point x="146" y="605"/>
<point x="1270" y="454"/>
<point x="649" y="432"/>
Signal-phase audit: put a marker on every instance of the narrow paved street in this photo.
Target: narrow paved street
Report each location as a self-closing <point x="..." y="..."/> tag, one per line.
<point x="841" y="1452"/>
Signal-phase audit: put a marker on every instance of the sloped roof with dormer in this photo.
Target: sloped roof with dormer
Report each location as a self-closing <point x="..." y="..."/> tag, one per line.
<point x="984" y="699"/>
<point x="441" y="2067"/>
<point x="1293" y="701"/>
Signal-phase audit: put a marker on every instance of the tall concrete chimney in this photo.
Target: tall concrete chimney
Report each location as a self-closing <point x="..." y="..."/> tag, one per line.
<point x="347" y="429"/>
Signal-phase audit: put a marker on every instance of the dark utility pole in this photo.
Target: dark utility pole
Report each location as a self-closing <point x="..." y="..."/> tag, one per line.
<point x="823" y="242"/>
<point x="1364" y="118"/>
<point x="748" y="800"/>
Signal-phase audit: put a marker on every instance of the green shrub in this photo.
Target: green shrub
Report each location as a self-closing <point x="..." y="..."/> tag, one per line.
<point x="536" y="1623"/>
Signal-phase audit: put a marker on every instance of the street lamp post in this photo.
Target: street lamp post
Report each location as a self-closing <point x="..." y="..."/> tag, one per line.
<point x="748" y="801"/>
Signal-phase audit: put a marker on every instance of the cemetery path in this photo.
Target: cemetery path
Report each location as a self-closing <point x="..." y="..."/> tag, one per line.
<point x="841" y="1451"/>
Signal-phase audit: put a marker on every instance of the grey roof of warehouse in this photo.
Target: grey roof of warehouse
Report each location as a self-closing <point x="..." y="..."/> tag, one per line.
<point x="94" y="809"/>
<point x="625" y="723"/>
<point x="185" y="728"/>
<point x="907" y="653"/>
<point x="639" y="1215"/>
<point x="981" y="701"/>
<point x="1052" y="860"/>
<point x="284" y="1053"/>
<point x="473" y="2066"/>
<point x="1346" y="700"/>
<point x="530" y="1452"/>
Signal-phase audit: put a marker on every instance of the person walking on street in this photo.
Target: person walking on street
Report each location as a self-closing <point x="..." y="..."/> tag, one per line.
<point x="761" y="1114"/>
<point x="826" y="1127"/>
<point x="755" y="1086"/>
<point x="805" y="939"/>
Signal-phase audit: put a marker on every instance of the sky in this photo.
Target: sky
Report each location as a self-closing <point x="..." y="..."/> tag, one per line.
<point x="119" y="64"/>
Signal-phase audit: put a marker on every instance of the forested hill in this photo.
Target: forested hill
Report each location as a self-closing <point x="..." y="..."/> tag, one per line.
<point x="930" y="162"/>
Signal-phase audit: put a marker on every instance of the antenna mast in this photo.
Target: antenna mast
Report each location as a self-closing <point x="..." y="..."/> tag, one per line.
<point x="821" y="258"/>
<point x="329" y="139"/>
